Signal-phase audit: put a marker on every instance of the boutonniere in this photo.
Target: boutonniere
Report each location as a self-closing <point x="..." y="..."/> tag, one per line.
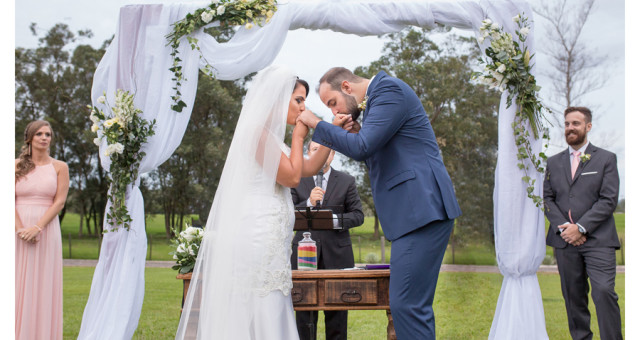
<point x="363" y="105"/>
<point x="585" y="157"/>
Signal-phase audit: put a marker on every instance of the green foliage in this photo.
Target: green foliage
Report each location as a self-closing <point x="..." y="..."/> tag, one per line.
<point x="228" y="13"/>
<point x="463" y="116"/>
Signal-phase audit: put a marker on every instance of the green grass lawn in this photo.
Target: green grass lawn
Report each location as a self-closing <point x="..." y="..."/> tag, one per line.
<point x="464" y="306"/>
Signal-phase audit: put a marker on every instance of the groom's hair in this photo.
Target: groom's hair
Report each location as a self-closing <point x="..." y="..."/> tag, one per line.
<point x="335" y="76"/>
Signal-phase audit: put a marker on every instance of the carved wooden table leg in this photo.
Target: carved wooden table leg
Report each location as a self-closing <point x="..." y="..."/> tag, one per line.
<point x="391" y="331"/>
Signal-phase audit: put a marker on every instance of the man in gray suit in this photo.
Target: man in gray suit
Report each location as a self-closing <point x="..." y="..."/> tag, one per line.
<point x="335" y="190"/>
<point x="580" y="194"/>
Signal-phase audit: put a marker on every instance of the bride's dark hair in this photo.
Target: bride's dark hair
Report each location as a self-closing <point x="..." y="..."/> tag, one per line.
<point x="303" y="83"/>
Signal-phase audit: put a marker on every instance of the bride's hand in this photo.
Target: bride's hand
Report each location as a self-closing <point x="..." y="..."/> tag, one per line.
<point x="300" y="130"/>
<point x="346" y="122"/>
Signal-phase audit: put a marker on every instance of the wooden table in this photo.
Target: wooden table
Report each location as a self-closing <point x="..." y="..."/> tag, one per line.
<point x="315" y="290"/>
<point x="327" y="289"/>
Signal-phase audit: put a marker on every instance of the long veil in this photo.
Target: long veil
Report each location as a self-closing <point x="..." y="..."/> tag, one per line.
<point x="223" y="277"/>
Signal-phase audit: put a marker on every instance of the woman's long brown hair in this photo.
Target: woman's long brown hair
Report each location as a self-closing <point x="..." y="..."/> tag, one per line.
<point x="25" y="164"/>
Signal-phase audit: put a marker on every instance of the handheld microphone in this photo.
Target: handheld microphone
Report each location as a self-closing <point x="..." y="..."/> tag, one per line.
<point x="319" y="184"/>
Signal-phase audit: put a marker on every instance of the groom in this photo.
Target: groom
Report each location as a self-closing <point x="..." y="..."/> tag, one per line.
<point x="411" y="188"/>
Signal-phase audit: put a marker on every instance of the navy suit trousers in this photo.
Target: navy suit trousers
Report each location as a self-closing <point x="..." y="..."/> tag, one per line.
<point x="415" y="264"/>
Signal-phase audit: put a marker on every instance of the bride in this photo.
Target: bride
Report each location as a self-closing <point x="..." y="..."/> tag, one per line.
<point x="241" y="283"/>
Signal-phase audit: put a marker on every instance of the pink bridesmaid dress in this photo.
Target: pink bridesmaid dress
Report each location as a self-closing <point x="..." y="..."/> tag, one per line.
<point x="38" y="265"/>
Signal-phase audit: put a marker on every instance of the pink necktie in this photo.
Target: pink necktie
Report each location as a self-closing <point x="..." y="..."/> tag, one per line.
<point x="574" y="164"/>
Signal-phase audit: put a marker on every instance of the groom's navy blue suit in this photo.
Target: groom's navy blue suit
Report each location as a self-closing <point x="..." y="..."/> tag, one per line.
<point x="412" y="192"/>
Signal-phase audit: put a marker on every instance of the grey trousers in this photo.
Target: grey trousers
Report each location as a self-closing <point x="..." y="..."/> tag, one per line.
<point x="598" y="265"/>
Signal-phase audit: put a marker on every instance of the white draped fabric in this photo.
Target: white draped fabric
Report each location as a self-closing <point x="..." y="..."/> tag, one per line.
<point x="138" y="60"/>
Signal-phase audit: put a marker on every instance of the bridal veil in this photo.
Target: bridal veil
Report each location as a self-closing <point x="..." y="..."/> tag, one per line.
<point x="224" y="279"/>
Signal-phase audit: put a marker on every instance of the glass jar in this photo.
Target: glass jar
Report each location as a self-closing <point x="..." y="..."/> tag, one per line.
<point x="307" y="253"/>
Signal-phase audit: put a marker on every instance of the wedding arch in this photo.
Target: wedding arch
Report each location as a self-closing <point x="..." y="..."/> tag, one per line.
<point x="138" y="60"/>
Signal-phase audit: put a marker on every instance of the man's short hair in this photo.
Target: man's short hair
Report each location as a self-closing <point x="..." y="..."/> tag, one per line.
<point x="335" y="76"/>
<point x="585" y="111"/>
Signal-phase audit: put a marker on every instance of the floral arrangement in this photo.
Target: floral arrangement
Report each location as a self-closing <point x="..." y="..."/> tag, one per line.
<point x="507" y="66"/>
<point x="586" y="157"/>
<point x="187" y="244"/>
<point x="125" y="131"/>
<point x="227" y="12"/>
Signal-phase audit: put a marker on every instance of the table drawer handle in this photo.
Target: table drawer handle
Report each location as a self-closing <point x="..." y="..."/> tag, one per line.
<point x="351" y="296"/>
<point x="296" y="294"/>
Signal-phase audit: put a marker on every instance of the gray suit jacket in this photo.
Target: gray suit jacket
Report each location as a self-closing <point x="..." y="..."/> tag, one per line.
<point x="592" y="197"/>
<point x="334" y="246"/>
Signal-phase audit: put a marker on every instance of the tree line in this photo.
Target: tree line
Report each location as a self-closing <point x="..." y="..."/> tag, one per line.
<point x="53" y="82"/>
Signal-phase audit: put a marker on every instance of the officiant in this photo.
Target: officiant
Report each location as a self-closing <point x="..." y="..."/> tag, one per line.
<point x="337" y="191"/>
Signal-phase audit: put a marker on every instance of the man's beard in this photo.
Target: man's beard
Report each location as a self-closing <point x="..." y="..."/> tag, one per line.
<point x="576" y="139"/>
<point x="352" y="106"/>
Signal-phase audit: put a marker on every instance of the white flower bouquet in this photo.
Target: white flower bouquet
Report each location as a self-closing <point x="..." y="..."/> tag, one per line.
<point x="507" y="66"/>
<point x="187" y="244"/>
<point x="125" y="132"/>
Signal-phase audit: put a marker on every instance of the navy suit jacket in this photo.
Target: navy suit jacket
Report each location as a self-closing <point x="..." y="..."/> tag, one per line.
<point x="592" y="197"/>
<point x="409" y="182"/>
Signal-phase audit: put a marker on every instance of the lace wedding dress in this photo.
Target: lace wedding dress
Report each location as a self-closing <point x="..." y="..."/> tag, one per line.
<point x="241" y="284"/>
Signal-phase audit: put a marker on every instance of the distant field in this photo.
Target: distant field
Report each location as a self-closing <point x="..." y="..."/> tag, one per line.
<point x="365" y="247"/>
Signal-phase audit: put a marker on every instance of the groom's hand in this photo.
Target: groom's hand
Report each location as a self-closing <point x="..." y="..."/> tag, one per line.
<point x="309" y="119"/>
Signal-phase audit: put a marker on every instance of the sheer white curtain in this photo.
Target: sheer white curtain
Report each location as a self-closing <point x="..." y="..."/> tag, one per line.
<point x="138" y="60"/>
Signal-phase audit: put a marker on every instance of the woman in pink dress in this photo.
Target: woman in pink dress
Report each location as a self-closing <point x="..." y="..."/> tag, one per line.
<point x="41" y="190"/>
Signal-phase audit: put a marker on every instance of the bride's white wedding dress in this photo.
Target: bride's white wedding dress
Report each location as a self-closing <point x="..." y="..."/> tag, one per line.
<point x="241" y="284"/>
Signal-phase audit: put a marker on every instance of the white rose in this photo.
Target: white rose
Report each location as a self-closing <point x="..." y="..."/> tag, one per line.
<point x="501" y="68"/>
<point x="516" y="18"/>
<point x="206" y="16"/>
<point x="220" y="10"/>
<point x="97" y="141"/>
<point x="102" y="99"/>
<point x="524" y="30"/>
<point x="110" y="122"/>
<point x="94" y="128"/>
<point x="114" y="148"/>
<point x="119" y="148"/>
<point x="187" y="236"/>
<point x="248" y="25"/>
<point x="191" y="252"/>
<point x="181" y="248"/>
